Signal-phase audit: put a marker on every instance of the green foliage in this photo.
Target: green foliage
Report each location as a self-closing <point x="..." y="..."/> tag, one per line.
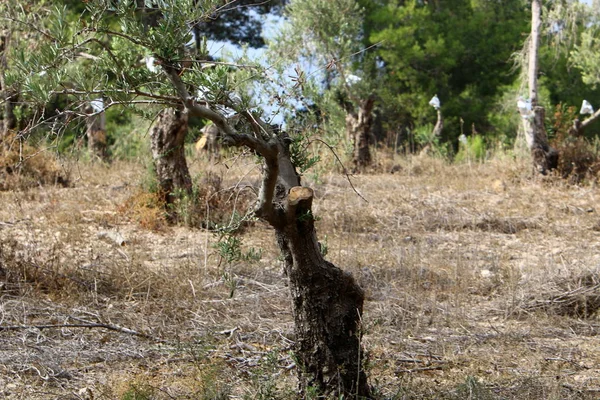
<point x="587" y="58"/>
<point x="473" y="150"/>
<point x="299" y="153"/>
<point x="424" y="137"/>
<point x="319" y="31"/>
<point x="229" y="248"/>
<point x="324" y="246"/>
<point x="459" y="49"/>
<point x="327" y="37"/>
<point x="127" y="135"/>
<point x="149" y="182"/>
<point x="503" y="117"/>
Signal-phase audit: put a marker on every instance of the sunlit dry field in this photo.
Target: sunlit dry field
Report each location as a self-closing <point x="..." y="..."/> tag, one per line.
<point x="482" y="282"/>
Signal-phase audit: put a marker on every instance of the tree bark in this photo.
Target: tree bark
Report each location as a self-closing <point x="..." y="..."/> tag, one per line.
<point x="358" y="127"/>
<point x="9" y="120"/>
<point x="578" y="128"/>
<point x="96" y="133"/>
<point x="439" y="125"/>
<point x="327" y="305"/>
<point x="545" y="158"/>
<point x="167" y="137"/>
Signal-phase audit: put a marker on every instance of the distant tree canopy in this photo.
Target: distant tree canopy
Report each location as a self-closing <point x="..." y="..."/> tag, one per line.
<point x="457" y="49"/>
<point x="237" y="21"/>
<point x="403" y="51"/>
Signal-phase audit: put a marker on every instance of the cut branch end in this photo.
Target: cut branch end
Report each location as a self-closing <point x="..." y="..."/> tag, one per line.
<point x="300" y="194"/>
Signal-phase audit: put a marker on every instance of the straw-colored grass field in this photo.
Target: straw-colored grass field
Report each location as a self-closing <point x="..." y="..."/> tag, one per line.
<point x="482" y="282"/>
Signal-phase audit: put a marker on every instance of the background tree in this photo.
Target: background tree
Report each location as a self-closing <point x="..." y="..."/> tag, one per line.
<point x="96" y="128"/>
<point x="13" y="37"/>
<point x="327" y="302"/>
<point x="559" y="31"/>
<point x="545" y="158"/>
<point x="457" y="49"/>
<point x="585" y="56"/>
<point x="326" y="38"/>
<point x="7" y="94"/>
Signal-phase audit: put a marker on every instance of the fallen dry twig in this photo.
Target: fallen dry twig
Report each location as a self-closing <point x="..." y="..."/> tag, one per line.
<point x="90" y="325"/>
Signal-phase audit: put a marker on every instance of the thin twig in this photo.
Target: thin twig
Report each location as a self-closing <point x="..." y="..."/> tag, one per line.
<point x="90" y="325"/>
<point x="342" y="164"/>
<point x="410" y="371"/>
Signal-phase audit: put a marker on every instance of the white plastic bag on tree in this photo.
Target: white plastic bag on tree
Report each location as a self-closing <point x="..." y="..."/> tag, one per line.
<point x="97" y="105"/>
<point x="352" y="79"/>
<point x="150" y="64"/>
<point x="524" y="107"/>
<point x="586" y="108"/>
<point x="435" y="102"/>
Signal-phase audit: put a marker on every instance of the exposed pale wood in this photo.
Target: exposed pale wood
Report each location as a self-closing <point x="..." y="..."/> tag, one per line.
<point x="300" y="193"/>
<point x="439" y="125"/>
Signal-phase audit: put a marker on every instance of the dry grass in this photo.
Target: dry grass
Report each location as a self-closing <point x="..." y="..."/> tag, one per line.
<point x="23" y="166"/>
<point x="482" y="283"/>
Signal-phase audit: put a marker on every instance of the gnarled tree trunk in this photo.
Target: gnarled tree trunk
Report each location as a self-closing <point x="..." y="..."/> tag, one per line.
<point x="327" y="307"/>
<point x="327" y="303"/>
<point x="358" y="127"/>
<point x="7" y="96"/>
<point x="167" y="137"/>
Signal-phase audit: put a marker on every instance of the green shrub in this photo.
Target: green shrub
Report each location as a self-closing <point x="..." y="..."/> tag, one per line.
<point x="128" y="137"/>
<point x="471" y="148"/>
<point x="425" y="139"/>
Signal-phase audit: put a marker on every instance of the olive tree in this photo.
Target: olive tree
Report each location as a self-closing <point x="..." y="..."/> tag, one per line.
<point x="327" y="35"/>
<point x="327" y="303"/>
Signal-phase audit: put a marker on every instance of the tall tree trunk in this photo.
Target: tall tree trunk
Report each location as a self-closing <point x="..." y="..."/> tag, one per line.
<point x="439" y="125"/>
<point x="545" y="158"/>
<point x="96" y="132"/>
<point x="167" y="137"/>
<point x="9" y="97"/>
<point x="358" y="127"/>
